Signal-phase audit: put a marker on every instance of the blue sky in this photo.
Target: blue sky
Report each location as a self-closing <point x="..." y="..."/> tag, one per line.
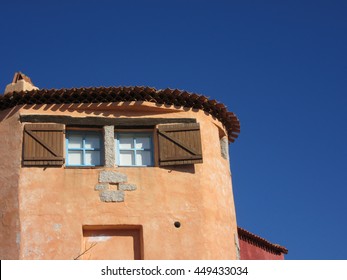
<point x="281" y="66"/>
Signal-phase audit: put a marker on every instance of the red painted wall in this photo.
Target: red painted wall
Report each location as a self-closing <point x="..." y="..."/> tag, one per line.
<point x="251" y="252"/>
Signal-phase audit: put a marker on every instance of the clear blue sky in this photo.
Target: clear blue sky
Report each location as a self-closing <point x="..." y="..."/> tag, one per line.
<point x="281" y="66"/>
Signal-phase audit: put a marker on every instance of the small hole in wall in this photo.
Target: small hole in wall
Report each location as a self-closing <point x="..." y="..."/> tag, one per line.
<point x="177" y="224"/>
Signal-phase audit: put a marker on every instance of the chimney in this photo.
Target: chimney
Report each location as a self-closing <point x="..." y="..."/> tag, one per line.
<point x="20" y="82"/>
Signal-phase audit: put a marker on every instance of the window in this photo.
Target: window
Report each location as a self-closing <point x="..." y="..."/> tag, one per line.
<point x="134" y="149"/>
<point x="175" y="144"/>
<point x="83" y="148"/>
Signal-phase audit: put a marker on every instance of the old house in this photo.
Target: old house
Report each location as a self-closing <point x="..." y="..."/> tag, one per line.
<point x="119" y="172"/>
<point x="115" y="173"/>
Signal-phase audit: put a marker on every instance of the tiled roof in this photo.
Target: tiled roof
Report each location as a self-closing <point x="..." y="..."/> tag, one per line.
<point x="260" y="242"/>
<point x="123" y="94"/>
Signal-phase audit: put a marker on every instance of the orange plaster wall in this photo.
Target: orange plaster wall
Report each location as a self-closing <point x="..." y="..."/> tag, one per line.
<point x="10" y="151"/>
<point x="55" y="203"/>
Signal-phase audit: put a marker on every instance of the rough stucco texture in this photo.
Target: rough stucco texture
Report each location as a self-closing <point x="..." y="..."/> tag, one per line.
<point x="10" y="151"/>
<point x="55" y="204"/>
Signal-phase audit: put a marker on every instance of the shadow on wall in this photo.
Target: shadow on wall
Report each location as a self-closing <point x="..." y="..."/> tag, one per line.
<point x="133" y="108"/>
<point x="8" y="113"/>
<point x="189" y="168"/>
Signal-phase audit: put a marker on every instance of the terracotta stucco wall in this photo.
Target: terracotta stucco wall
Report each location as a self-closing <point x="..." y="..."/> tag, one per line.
<point x="10" y="151"/>
<point x="55" y="203"/>
<point x="251" y="252"/>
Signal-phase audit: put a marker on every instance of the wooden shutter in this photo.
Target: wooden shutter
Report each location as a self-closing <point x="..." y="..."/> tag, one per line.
<point x="179" y="144"/>
<point x="43" y="145"/>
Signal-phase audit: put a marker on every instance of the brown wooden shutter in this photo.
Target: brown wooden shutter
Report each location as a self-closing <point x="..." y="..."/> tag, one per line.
<point x="179" y="144"/>
<point x="43" y="145"/>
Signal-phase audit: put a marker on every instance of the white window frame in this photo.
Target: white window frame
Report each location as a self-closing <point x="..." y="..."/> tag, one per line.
<point x="83" y="149"/>
<point x="134" y="150"/>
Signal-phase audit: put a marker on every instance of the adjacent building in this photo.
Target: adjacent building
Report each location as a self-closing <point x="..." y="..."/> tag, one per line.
<point x="254" y="247"/>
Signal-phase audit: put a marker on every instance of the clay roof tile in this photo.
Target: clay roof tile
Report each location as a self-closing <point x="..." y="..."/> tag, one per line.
<point x="260" y="242"/>
<point x="118" y="94"/>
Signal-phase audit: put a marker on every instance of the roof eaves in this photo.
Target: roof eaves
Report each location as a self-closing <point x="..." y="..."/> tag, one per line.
<point x="260" y="242"/>
<point x="123" y="94"/>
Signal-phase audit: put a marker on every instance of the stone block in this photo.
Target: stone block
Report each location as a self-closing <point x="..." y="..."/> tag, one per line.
<point x="127" y="187"/>
<point x="112" y="177"/>
<point x="111" y="196"/>
<point x="101" y="187"/>
<point x="224" y="148"/>
<point x="109" y="146"/>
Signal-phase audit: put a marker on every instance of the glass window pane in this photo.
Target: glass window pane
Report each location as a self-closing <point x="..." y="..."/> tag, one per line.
<point x="92" y="158"/>
<point x="75" y="142"/>
<point x="92" y="142"/>
<point x="126" y="158"/>
<point x="143" y="158"/>
<point x="75" y="158"/>
<point x="143" y="142"/>
<point x="126" y="142"/>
